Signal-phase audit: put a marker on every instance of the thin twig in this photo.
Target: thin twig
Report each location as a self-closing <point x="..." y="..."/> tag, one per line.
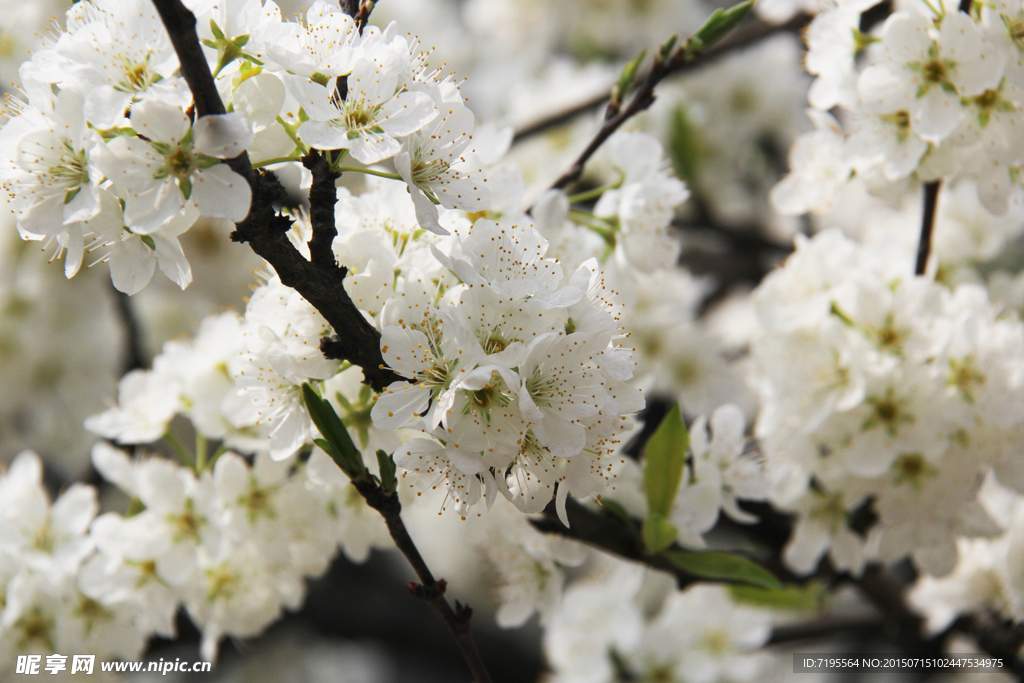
<point x="322" y="285"/>
<point x="429" y="589"/>
<point x="924" y="246"/>
<point x="741" y="38"/>
<point x="682" y="58"/>
<point x="826" y="627"/>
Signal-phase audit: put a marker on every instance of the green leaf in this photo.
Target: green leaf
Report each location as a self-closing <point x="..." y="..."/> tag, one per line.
<point x="806" y="598"/>
<point x="665" y="51"/>
<point x="388" y="481"/>
<point x="684" y="145"/>
<point x="336" y="437"/>
<point x="720" y="23"/>
<point x="658" y="534"/>
<point x="724" y="567"/>
<point x="664" y="461"/>
<point x="627" y="77"/>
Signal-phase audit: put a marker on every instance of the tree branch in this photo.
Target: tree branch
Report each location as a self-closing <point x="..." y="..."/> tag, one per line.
<point x="323" y="195"/>
<point x="924" y="246"/>
<point x="429" y="589"/>
<point x="134" y="355"/>
<point x="319" y="282"/>
<point x="742" y="37"/>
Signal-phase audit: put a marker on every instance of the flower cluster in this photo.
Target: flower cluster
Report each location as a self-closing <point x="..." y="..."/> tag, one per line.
<point x="103" y="153"/>
<point x="937" y="94"/>
<point x="231" y="545"/>
<point x="601" y="633"/>
<point x="883" y="387"/>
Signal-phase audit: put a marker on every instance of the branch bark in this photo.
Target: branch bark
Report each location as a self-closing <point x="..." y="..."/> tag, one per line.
<point x="924" y="246"/>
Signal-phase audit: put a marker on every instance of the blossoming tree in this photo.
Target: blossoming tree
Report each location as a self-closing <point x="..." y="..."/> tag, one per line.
<point x="440" y="327"/>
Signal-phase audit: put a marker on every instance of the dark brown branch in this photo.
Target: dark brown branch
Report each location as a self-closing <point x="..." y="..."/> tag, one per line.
<point x="429" y="589"/>
<point x="323" y="194"/>
<point x="739" y="39"/>
<point x="363" y="15"/>
<point x="323" y="287"/>
<point x="320" y="283"/>
<point x="134" y="355"/>
<point x="924" y="246"/>
<point x="826" y="627"/>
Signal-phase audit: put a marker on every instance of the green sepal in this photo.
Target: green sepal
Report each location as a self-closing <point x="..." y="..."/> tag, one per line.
<point x="388" y="480"/>
<point x="217" y="33"/>
<point x="148" y="241"/>
<point x="657" y="533"/>
<point x="185" y="185"/>
<point x="336" y="442"/>
<point x="723" y="567"/>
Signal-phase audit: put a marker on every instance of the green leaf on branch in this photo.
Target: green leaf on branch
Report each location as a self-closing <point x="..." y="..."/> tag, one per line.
<point x="658" y="534"/>
<point x="684" y="145"/>
<point x="806" y="598"/>
<point x="723" y="567"/>
<point x="664" y="462"/>
<point x="336" y="441"/>
<point x="717" y="26"/>
<point x="626" y="78"/>
<point x="388" y="480"/>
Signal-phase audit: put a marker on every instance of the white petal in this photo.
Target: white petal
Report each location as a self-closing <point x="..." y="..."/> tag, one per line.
<point x="220" y="192"/>
<point x="223" y="136"/>
<point x="131" y="265"/>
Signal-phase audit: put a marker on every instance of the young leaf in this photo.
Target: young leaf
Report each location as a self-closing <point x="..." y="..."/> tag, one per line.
<point x="725" y="567"/>
<point x="342" y="450"/>
<point x="720" y="23"/>
<point x="794" y="598"/>
<point x="658" y="534"/>
<point x="626" y="78"/>
<point x="664" y="461"/>
<point x="387" y="471"/>
<point x="684" y="145"/>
